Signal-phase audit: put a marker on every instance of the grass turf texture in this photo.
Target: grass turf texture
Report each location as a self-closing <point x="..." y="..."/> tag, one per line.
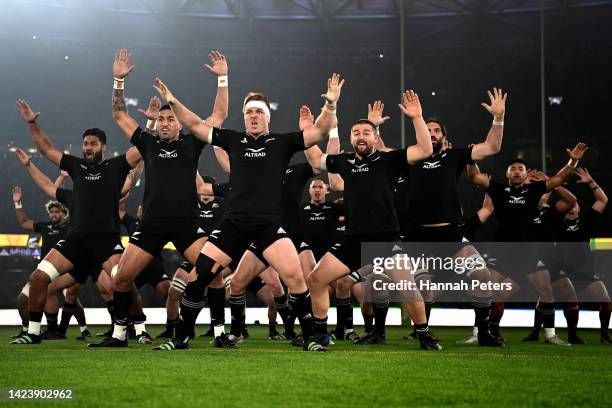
<point x="269" y="373"/>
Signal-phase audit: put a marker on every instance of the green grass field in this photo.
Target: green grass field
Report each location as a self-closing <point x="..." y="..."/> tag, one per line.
<point x="268" y="373"/>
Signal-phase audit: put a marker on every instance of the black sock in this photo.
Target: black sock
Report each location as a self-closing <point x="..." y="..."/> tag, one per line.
<point x="67" y="313"/>
<point x="380" y="317"/>
<point x="216" y="303"/>
<point x="494" y="328"/>
<point x="123" y="302"/>
<point x="237" y="307"/>
<point x="51" y="322"/>
<point x="286" y="314"/>
<point x="604" y="318"/>
<point x="110" y="306"/>
<point x="171" y="325"/>
<point x="368" y="321"/>
<point x="482" y="308"/>
<point x="272" y="329"/>
<point x="421" y="328"/>
<point x="190" y="309"/>
<point x="302" y="307"/>
<point x="345" y="316"/>
<point x="79" y="314"/>
<point x="319" y="326"/>
<point x="571" y="313"/>
<point x="537" y="320"/>
<point x="428" y="306"/>
<point x="547" y="311"/>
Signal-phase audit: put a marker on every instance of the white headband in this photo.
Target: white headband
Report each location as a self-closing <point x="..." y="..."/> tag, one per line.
<point x="257" y="104"/>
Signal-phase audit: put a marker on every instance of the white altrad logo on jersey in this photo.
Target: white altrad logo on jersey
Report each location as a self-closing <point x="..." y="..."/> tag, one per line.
<point x="517" y="200"/>
<point x="317" y="216"/>
<point x="206" y="214"/>
<point x="360" y="168"/>
<point x="255" y="152"/>
<point x="431" y="165"/>
<point x="93" y="177"/>
<point x="167" y="154"/>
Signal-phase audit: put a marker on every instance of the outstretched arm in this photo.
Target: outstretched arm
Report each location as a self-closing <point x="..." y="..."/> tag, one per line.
<point x="222" y="158"/>
<point x="121" y="69"/>
<point x="151" y="114"/>
<point x="42" y="181"/>
<point x="323" y="125"/>
<point x="575" y="155"/>
<point x="221" y="108"/>
<point x="411" y="107"/>
<point x="375" y="115"/>
<point x="22" y="218"/>
<point x="493" y="142"/>
<point x="566" y="200"/>
<point x="478" y="178"/>
<point x="484" y="213"/>
<point x="601" y="199"/>
<point x="61" y="179"/>
<point x="42" y="141"/>
<point x="187" y="118"/>
<point x="132" y="178"/>
<point x="313" y="154"/>
<point x="336" y="182"/>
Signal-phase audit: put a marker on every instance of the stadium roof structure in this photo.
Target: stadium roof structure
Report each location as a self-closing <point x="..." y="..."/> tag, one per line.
<point x="343" y="22"/>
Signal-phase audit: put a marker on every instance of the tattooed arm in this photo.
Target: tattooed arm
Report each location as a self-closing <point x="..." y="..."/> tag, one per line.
<point x="121" y="69"/>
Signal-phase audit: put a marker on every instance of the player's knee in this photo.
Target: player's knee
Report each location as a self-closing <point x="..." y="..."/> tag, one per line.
<point x="45" y="273"/>
<point x="237" y="284"/>
<point x="343" y="287"/>
<point x="315" y="280"/>
<point x="39" y="280"/>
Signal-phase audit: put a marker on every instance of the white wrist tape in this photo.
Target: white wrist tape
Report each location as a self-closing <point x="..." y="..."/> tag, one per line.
<point x="18" y="206"/>
<point x="222" y="81"/>
<point x="150" y="124"/>
<point x="48" y="268"/>
<point x="333" y="134"/>
<point x="209" y="137"/>
<point x="496" y="123"/>
<point x="118" y="83"/>
<point x="573" y="166"/>
<point x="26" y="289"/>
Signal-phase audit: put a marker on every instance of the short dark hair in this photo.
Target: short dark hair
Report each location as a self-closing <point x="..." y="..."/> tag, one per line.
<point x="97" y="132"/>
<point x="366" y="122"/>
<point x="318" y="179"/>
<point x="165" y="107"/>
<point x="516" y="160"/>
<point x="256" y="96"/>
<point x="439" y="122"/>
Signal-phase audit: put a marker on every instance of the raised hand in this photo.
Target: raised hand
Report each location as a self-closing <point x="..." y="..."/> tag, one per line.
<point x="121" y="65"/>
<point x="16" y="194"/>
<point x="23" y="157"/>
<point x="497" y="108"/>
<point x="577" y="153"/>
<point x="64" y="173"/>
<point x="535" y="175"/>
<point x="25" y="111"/>
<point x="375" y="113"/>
<point x="306" y="117"/>
<point x="218" y="63"/>
<point x="410" y="105"/>
<point x="334" y="88"/>
<point x="153" y="109"/>
<point x="163" y="90"/>
<point x="583" y="176"/>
